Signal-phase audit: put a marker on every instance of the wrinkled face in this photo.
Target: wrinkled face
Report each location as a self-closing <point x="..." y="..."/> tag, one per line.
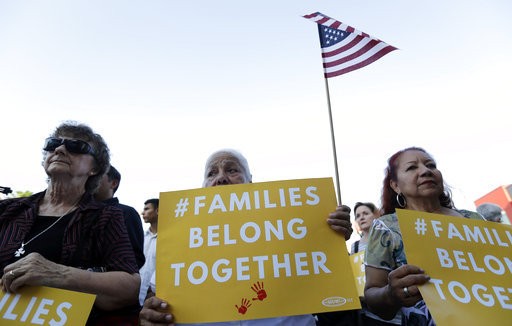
<point x="364" y="218"/>
<point x="224" y="169"/>
<point x="60" y="162"/>
<point x="150" y="213"/>
<point x="417" y="176"/>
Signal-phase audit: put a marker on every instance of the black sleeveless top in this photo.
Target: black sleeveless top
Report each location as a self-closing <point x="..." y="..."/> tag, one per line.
<point x="48" y="243"/>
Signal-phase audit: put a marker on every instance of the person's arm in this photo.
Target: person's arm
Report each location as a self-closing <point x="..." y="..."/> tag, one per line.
<point x="385" y="291"/>
<point x="377" y="295"/>
<point x="113" y="290"/>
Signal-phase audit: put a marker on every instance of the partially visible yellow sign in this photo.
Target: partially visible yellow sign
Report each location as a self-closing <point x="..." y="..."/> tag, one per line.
<point x="357" y="261"/>
<point x="470" y="265"/>
<point x="252" y="251"/>
<point x="39" y="305"/>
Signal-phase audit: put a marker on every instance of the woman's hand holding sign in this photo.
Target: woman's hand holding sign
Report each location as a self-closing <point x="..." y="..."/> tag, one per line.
<point x="32" y="269"/>
<point x="339" y="220"/>
<point x="403" y="284"/>
<point x="395" y="289"/>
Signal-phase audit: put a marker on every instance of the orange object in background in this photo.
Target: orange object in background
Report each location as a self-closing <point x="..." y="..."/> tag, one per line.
<point x="501" y="196"/>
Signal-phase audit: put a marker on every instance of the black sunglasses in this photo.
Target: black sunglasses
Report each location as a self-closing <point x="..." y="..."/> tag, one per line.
<point x="75" y="146"/>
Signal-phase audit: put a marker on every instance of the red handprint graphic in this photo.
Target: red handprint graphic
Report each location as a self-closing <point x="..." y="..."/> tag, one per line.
<point x="260" y="291"/>
<point x="243" y="307"/>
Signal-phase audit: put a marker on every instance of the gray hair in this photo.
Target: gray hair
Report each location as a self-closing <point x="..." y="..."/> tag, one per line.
<point x="231" y="152"/>
<point x="490" y="211"/>
<point x="101" y="151"/>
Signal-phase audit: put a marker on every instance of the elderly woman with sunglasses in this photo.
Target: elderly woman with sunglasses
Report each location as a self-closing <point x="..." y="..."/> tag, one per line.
<point x="412" y="181"/>
<point x="63" y="238"/>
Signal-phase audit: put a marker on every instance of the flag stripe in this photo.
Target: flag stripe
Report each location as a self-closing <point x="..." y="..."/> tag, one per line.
<point x="362" y="53"/>
<point x="340" y="70"/>
<point x="342" y="53"/>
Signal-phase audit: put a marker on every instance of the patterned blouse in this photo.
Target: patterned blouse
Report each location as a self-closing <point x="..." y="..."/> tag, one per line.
<point x="385" y="250"/>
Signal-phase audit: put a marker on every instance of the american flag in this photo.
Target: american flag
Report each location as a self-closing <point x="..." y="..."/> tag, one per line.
<point x="344" y="48"/>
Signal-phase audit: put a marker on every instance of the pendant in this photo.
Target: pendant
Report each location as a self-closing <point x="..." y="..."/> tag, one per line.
<point x="20" y="251"/>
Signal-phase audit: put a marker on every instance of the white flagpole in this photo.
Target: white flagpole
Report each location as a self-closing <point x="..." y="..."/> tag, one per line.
<point x="333" y="142"/>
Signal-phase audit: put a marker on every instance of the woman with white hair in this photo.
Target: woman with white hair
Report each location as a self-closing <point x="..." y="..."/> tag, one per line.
<point x="226" y="167"/>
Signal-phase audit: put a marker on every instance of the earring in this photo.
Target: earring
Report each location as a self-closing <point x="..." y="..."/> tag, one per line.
<point x="400" y="199"/>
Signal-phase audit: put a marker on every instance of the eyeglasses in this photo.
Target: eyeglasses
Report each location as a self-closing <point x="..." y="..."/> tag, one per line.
<point x="75" y="146"/>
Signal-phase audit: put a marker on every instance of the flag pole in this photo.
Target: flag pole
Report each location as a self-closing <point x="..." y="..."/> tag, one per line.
<point x="344" y="49"/>
<point x="333" y="142"/>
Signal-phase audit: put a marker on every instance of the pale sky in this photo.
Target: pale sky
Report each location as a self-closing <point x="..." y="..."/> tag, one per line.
<point x="168" y="82"/>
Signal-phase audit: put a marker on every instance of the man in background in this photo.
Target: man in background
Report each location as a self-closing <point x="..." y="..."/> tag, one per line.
<point x="149" y="215"/>
<point x="105" y="193"/>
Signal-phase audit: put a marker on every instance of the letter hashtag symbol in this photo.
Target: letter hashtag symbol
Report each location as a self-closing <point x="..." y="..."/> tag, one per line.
<point x="420" y="226"/>
<point x="181" y="207"/>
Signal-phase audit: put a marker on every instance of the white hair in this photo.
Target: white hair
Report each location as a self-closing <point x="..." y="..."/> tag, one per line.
<point x="489" y="211"/>
<point x="231" y="152"/>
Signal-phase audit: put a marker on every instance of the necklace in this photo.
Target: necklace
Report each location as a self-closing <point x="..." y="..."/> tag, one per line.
<point x="21" y="249"/>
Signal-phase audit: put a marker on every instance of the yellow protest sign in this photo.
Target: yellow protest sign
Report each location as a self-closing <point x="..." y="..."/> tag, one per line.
<point x="357" y="263"/>
<point x="252" y="251"/>
<point x="39" y="305"/>
<point x="469" y="262"/>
